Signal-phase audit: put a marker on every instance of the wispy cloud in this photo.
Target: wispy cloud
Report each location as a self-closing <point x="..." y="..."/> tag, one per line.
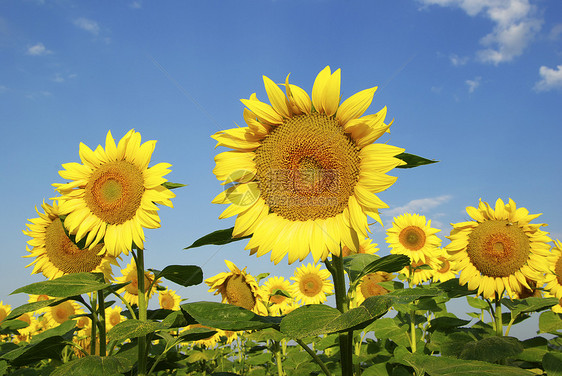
<point x="457" y="60"/>
<point x="555" y="32"/>
<point x="87" y="25"/>
<point x="473" y="84"/>
<point x="419" y="206"/>
<point x="136" y="4"/>
<point x="515" y="26"/>
<point x="38" y="50"/>
<point x="60" y="78"/>
<point x="550" y="78"/>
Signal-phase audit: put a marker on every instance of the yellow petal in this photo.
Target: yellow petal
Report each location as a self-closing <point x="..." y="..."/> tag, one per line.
<point x="263" y="111"/>
<point x="276" y="97"/>
<point x="331" y="96"/>
<point x="318" y="88"/>
<point x="354" y="106"/>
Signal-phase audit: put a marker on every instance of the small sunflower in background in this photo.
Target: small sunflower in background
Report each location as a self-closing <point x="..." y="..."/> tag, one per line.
<point x="168" y="299"/>
<point x="553" y="277"/>
<point x="129" y="274"/>
<point x="311" y="166"/>
<point x="5" y="310"/>
<point x="369" y="286"/>
<point x="239" y="288"/>
<point x="421" y="271"/>
<point x="209" y="342"/>
<point x="112" y="195"/>
<point x="113" y="317"/>
<point x="62" y="312"/>
<point x="413" y="236"/>
<point x="500" y="250"/>
<point x="365" y="246"/>
<point x="56" y="254"/>
<point x="445" y="268"/>
<point x="278" y="302"/>
<point x="311" y="284"/>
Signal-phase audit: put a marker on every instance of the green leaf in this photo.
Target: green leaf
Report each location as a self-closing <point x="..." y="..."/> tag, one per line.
<point x="30" y="307"/>
<point x="218" y="237"/>
<point x="361" y="264"/>
<point x="413" y="160"/>
<point x="409" y="295"/>
<point x="170" y="185"/>
<point x="95" y="365"/>
<point x="49" y="348"/>
<point x="226" y="316"/>
<point x="67" y="285"/>
<point x="62" y="330"/>
<point x="477" y="303"/>
<point x="535" y="349"/>
<point x="528" y="305"/>
<point x="388" y="328"/>
<point x="552" y="363"/>
<point x="12" y="326"/>
<point x="132" y="328"/>
<point x="446" y="323"/>
<point x="491" y="349"/>
<point x="195" y="334"/>
<point x="550" y="322"/>
<point x="183" y="275"/>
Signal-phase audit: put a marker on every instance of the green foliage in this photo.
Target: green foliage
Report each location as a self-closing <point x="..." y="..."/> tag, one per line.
<point x="67" y="285"/>
<point x="218" y="237"/>
<point x="183" y="275"/>
<point x="95" y="365"/>
<point x="413" y="160"/>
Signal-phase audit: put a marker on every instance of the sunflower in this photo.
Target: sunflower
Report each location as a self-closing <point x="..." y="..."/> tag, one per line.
<point x="55" y="253"/>
<point x="239" y="288"/>
<point x="62" y="312"/>
<point x="365" y="246"/>
<point x="421" y="271"/>
<point x="311" y="284"/>
<point x="5" y="310"/>
<point x="500" y="250"/>
<point x="168" y="299"/>
<point x="412" y="236"/>
<point x="209" y="342"/>
<point x="112" y="195"/>
<point x="445" y="268"/>
<point x="129" y="274"/>
<point x="303" y="174"/>
<point x="369" y="286"/>
<point x="112" y="317"/>
<point x="553" y="277"/>
<point x="277" y="302"/>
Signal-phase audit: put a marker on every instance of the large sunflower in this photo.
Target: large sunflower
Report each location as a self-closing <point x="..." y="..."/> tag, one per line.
<point x="311" y="284"/>
<point x="239" y="288"/>
<point x="413" y="236"/>
<point x="303" y="174"/>
<point x="500" y="250"/>
<point x="56" y="254"/>
<point x="112" y="194"/>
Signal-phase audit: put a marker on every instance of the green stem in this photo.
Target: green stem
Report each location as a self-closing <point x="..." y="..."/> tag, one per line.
<point x="278" y="359"/>
<point x="124" y="301"/>
<point x="142" y="361"/>
<point x="101" y="310"/>
<point x="342" y="304"/>
<point x="498" y="316"/>
<point x="509" y="326"/>
<point x="93" y="334"/>
<point x="413" y="330"/>
<point x="315" y="357"/>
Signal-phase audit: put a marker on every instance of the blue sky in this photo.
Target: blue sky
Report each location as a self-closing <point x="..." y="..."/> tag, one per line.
<point x="475" y="84"/>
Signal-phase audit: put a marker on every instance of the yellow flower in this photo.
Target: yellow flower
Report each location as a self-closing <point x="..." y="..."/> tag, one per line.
<point x="553" y="276"/>
<point x="169" y="299"/>
<point x="112" y="195"/>
<point x="412" y="236"/>
<point x="129" y="274"/>
<point x="421" y="271"/>
<point x="209" y="342"/>
<point x="303" y="174"/>
<point x="62" y="312"/>
<point x="113" y="317"/>
<point x="500" y="250"/>
<point x="369" y="286"/>
<point x="311" y="284"/>
<point x="56" y="254"/>
<point x="365" y="246"/>
<point x="5" y="310"/>
<point x="277" y="303"/>
<point x="238" y="288"/>
<point x="445" y="268"/>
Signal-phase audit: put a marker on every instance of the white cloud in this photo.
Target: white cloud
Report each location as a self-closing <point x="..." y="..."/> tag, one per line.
<point x="473" y="84"/>
<point x="38" y="50"/>
<point x="418" y="206"/>
<point x="555" y="32"/>
<point x="88" y="25"/>
<point x="457" y="60"/>
<point x="136" y="4"/>
<point x="3" y="89"/>
<point x="550" y="78"/>
<point x="515" y="26"/>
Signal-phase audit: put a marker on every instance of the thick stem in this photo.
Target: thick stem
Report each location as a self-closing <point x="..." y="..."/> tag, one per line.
<point x="101" y="310"/>
<point x="315" y="357"/>
<point x="139" y="259"/>
<point x="278" y="359"/>
<point x="413" y="330"/>
<point x="342" y="304"/>
<point x="93" y="335"/>
<point x="498" y="318"/>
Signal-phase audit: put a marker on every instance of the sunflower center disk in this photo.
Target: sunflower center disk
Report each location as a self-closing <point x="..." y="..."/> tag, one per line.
<point x="65" y="255"/>
<point x="114" y="191"/>
<point x="311" y="285"/>
<point x="370" y="286"/>
<point x="497" y="248"/>
<point x="412" y="238"/>
<point x="238" y="292"/>
<point x="558" y="270"/>
<point x="167" y="302"/>
<point x="307" y="168"/>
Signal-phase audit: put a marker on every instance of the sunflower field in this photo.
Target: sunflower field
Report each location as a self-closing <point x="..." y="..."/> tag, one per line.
<point x="301" y="179"/>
